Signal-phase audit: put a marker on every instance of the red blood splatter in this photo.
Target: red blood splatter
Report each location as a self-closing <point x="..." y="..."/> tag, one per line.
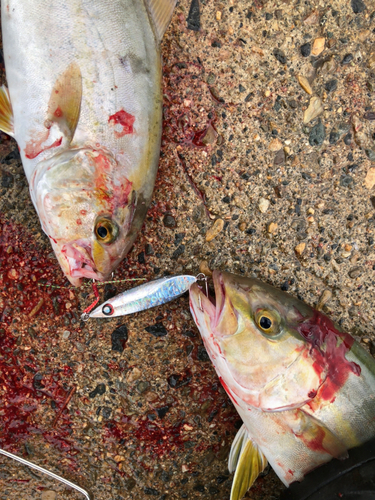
<point x="58" y="112"/>
<point x="193" y="312"/>
<point x="124" y="119"/>
<point x="200" y="194"/>
<point x="164" y="437"/>
<point x="316" y="443"/>
<point x="227" y="390"/>
<point x="159" y="438"/>
<point x="117" y="194"/>
<point x="198" y="136"/>
<point x="35" y="146"/>
<point x="319" y="368"/>
<point x="53" y="239"/>
<point x="23" y="394"/>
<point x="320" y="332"/>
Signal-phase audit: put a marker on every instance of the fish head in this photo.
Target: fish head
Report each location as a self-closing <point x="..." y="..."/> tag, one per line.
<point x="87" y="210"/>
<point x="255" y="337"/>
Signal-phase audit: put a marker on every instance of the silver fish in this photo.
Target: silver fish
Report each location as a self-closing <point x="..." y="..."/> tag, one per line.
<point x="304" y="389"/>
<point x="85" y="107"/>
<point x="146" y="296"/>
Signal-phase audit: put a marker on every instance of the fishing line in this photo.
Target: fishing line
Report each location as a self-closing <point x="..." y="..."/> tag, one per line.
<point x="47" y="472"/>
<point x="90" y="284"/>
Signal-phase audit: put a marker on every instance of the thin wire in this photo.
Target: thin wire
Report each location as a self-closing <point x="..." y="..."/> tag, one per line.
<point x="89" y="284"/>
<point x="47" y="472"/>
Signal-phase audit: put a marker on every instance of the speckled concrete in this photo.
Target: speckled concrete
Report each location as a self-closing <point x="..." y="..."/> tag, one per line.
<point x="295" y="204"/>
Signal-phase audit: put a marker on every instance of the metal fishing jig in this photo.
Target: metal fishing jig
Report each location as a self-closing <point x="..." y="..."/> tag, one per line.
<point x="145" y="296"/>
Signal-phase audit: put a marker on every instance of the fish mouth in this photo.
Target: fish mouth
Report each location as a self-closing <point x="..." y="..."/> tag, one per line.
<point x="80" y="263"/>
<point x="207" y="301"/>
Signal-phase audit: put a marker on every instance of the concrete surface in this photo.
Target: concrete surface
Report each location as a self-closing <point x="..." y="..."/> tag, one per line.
<point x="295" y="202"/>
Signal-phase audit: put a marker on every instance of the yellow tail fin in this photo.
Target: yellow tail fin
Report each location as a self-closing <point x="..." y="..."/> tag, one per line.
<point x="6" y="112"/>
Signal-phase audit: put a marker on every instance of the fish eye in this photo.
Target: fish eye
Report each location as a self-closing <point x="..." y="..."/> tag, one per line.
<point x="268" y="322"/>
<point x="107" y="309"/>
<point x="102" y="232"/>
<point x="265" y="323"/>
<point x="106" y="230"/>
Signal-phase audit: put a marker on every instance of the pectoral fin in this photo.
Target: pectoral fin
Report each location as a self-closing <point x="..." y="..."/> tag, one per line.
<point x="316" y="436"/>
<point x="236" y="448"/>
<point x="248" y="461"/>
<point x="160" y="12"/>
<point x="6" y="112"/>
<point x="65" y="102"/>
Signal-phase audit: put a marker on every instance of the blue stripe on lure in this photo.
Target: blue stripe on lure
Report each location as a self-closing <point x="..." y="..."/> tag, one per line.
<point x="152" y="294"/>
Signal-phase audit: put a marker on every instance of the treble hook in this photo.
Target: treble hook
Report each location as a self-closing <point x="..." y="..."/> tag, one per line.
<point x="86" y="313"/>
<point x="203" y="277"/>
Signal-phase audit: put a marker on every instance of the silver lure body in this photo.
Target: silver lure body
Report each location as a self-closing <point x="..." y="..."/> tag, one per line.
<point x="146" y="296"/>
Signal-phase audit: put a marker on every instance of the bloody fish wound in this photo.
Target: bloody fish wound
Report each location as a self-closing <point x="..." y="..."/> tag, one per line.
<point x="304" y="389"/>
<point x="84" y="105"/>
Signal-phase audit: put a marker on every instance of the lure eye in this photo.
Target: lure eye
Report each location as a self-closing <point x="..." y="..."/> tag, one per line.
<point x="106" y="230"/>
<point x="107" y="309"/>
<point x="268" y="322"/>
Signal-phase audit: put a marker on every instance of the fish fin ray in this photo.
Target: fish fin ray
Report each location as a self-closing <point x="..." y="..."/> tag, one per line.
<point x="161" y="12"/>
<point x="64" y="106"/>
<point x="236" y="448"/>
<point x="316" y="435"/>
<point x="6" y="112"/>
<point x="250" y="464"/>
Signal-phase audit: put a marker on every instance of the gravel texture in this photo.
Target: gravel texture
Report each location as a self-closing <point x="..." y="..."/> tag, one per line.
<point x="243" y="185"/>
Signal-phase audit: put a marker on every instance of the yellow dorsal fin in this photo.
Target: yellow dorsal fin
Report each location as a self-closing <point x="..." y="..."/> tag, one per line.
<point x="160" y="12"/>
<point x="249" y="462"/>
<point x="65" y="102"/>
<point x="6" y="112"/>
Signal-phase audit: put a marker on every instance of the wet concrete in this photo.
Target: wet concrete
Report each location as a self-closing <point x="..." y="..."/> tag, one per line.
<point x="250" y="182"/>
